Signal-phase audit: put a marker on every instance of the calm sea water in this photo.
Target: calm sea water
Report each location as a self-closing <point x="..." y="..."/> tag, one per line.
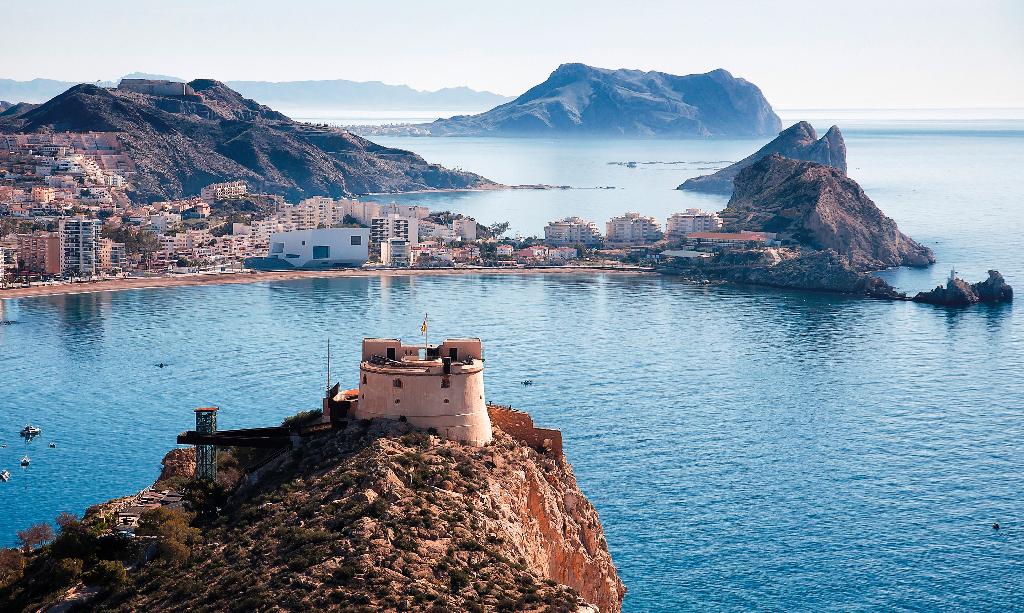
<point x="747" y="449"/>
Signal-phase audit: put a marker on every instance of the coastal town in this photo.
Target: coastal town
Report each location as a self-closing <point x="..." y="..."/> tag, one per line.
<point x="66" y="216"/>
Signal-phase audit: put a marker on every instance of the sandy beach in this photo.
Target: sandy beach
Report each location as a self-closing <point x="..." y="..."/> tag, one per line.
<point x="115" y="285"/>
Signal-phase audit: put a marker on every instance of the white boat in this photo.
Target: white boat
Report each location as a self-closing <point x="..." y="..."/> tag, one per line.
<point x="25" y="461"/>
<point x="30" y="431"/>
<point x="5" y="475"/>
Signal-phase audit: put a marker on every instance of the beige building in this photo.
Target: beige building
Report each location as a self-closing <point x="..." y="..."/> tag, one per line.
<point x="572" y="231"/>
<point x="632" y="230"/>
<point x="692" y="220"/>
<point x="435" y="386"/>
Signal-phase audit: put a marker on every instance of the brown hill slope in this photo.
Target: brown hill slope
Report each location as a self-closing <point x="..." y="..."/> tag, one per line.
<point x="183" y="143"/>
<point x="376" y="518"/>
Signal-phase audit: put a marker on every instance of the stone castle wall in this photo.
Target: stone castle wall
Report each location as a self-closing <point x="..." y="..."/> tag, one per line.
<point x="519" y="425"/>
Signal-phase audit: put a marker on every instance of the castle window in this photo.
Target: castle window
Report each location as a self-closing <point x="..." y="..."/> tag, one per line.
<point x="364" y="379"/>
<point x="446" y="401"/>
<point x="397" y="383"/>
<point x="446" y="382"/>
<point x="397" y="401"/>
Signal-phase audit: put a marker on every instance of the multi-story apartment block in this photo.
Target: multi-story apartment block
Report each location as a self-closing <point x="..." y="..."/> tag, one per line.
<point x="394" y="226"/>
<point x="692" y="220"/>
<point x="572" y="231"/>
<point x="39" y="253"/>
<point x="111" y="255"/>
<point x="632" y="229"/>
<point x="80" y="245"/>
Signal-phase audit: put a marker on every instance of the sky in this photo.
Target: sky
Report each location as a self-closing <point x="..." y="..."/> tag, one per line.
<point x="802" y="54"/>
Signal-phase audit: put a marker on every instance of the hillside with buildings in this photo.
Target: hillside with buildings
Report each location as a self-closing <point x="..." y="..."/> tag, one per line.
<point x="409" y="493"/>
<point x="581" y="100"/>
<point x="798" y="142"/>
<point x="183" y="136"/>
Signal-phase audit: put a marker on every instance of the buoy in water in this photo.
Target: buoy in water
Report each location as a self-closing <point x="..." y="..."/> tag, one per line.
<point x="995" y="526"/>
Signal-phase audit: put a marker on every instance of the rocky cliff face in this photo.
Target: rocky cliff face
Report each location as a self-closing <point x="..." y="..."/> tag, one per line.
<point x="799" y="142"/>
<point x="819" y="208"/>
<point x="583" y="100"/>
<point x="379" y="518"/>
<point x="958" y="292"/>
<point x="180" y="144"/>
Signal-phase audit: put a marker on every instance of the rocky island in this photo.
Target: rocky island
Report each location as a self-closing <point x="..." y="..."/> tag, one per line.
<point x="797" y="142"/>
<point x="581" y="100"/>
<point x="209" y="133"/>
<point x="478" y="512"/>
<point x="958" y="292"/>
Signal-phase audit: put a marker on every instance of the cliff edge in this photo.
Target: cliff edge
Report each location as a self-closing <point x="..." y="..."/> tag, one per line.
<point x="373" y="517"/>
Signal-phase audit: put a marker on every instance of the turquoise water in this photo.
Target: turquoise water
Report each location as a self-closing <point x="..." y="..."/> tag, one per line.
<point x="746" y="449"/>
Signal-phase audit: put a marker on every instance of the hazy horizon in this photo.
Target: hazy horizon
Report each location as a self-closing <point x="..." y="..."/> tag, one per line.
<point x="914" y="54"/>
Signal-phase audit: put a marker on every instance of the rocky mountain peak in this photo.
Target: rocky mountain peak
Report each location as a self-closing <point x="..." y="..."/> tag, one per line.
<point x="799" y="141"/>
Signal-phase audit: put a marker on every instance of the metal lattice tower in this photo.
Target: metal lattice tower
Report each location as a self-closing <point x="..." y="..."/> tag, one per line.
<point x="206" y="455"/>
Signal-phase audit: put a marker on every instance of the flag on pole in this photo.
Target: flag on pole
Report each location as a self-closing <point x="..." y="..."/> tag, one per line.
<point x="423" y="328"/>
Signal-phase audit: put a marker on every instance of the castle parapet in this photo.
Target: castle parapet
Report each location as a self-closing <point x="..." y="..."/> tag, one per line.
<point x="432" y="386"/>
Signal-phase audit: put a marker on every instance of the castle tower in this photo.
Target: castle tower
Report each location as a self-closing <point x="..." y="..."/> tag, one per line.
<point x="432" y="386"/>
<point x="206" y="455"/>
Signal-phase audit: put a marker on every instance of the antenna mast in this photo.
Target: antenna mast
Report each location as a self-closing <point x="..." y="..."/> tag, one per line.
<point x="328" y="364"/>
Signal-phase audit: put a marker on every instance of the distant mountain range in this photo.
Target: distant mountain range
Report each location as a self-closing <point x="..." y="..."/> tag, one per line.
<point x="334" y="94"/>
<point x="181" y="143"/>
<point x="582" y="100"/>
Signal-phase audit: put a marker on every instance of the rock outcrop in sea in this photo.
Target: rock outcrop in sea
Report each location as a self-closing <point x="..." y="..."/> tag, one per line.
<point x="799" y="142"/>
<point x="581" y="100"/>
<point x="372" y="517"/>
<point x="958" y="292"/>
<point x="180" y="144"/>
<point x="830" y="234"/>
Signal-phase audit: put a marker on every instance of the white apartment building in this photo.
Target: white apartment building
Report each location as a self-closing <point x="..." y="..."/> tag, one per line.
<point x="572" y="231"/>
<point x="692" y="220"/>
<point x="224" y="191"/>
<point x="80" y="246"/>
<point x="396" y="252"/>
<point x="394" y="226"/>
<point x="632" y="229"/>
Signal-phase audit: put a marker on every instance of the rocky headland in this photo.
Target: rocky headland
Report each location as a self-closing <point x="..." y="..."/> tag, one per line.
<point x="958" y="292"/>
<point x="581" y="100"/>
<point x="830" y="234"/>
<point x="179" y="144"/>
<point x="797" y="142"/>
<point x="373" y="517"/>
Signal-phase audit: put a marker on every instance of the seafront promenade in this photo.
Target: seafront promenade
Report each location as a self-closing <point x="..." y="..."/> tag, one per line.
<point x="114" y="285"/>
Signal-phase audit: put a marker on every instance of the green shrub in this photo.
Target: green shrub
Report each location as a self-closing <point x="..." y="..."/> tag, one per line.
<point x="106" y="572"/>
<point x="172" y="551"/>
<point x="67" y="571"/>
